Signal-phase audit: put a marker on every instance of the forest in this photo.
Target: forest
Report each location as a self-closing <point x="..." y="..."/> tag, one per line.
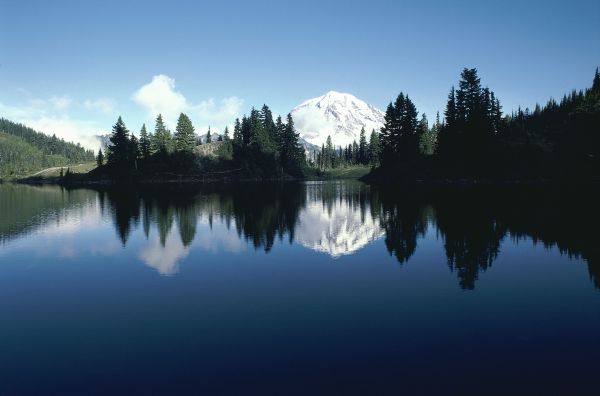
<point x="24" y="150"/>
<point x="560" y="140"/>
<point x="260" y="147"/>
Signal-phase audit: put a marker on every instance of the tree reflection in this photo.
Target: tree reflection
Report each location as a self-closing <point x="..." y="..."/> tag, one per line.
<point x="473" y="222"/>
<point x="333" y="217"/>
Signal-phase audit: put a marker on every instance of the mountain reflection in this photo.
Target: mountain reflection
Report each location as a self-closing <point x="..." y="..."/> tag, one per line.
<point x="335" y="218"/>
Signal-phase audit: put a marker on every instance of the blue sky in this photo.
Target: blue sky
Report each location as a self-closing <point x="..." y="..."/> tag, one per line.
<point x="71" y="67"/>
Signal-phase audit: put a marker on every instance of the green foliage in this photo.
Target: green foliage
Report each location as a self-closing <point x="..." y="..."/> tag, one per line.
<point x="265" y="147"/>
<point x="161" y="141"/>
<point x="100" y="158"/>
<point x="24" y="150"/>
<point x="144" y="142"/>
<point x="374" y="148"/>
<point x="121" y="150"/>
<point x="185" y="139"/>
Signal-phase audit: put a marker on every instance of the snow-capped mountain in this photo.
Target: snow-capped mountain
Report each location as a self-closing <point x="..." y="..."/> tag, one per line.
<point x="339" y="115"/>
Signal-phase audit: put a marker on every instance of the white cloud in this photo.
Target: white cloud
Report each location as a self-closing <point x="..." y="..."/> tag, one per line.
<point x="104" y="105"/>
<point x="160" y="96"/>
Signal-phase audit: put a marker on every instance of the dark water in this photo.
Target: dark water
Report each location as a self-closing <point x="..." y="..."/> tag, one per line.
<point x="316" y="288"/>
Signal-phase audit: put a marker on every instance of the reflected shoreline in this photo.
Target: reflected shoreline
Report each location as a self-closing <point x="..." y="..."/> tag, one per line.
<point x="336" y="218"/>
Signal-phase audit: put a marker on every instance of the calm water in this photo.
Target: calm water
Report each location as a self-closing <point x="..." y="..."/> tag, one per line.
<point x="315" y="288"/>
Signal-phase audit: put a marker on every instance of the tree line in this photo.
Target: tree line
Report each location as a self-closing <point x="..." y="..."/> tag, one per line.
<point x="260" y="146"/>
<point x="476" y="139"/>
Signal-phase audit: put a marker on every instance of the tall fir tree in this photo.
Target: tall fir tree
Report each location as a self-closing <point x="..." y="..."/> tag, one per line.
<point x="399" y="135"/>
<point x="100" y="158"/>
<point x="161" y="143"/>
<point x="185" y="138"/>
<point x="144" y="142"/>
<point x="226" y="134"/>
<point x="374" y="148"/>
<point x="363" y="154"/>
<point x="119" y="152"/>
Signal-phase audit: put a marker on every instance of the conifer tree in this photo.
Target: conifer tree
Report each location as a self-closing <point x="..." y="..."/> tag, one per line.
<point x="119" y="150"/>
<point x="185" y="139"/>
<point x="399" y="135"/>
<point x="208" y="137"/>
<point x="374" y="148"/>
<point x="362" y="148"/>
<point x="162" y="137"/>
<point x="144" y="142"/>
<point x="100" y="158"/>
<point x="226" y="134"/>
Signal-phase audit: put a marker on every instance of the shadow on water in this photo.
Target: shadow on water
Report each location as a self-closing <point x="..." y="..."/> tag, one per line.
<point x="472" y="222"/>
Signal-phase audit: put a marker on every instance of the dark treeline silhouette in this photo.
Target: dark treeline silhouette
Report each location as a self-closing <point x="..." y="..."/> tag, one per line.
<point x="475" y="140"/>
<point x="23" y="150"/>
<point x="261" y="147"/>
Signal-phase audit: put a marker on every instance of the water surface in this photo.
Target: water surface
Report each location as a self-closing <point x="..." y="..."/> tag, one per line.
<point x="298" y="288"/>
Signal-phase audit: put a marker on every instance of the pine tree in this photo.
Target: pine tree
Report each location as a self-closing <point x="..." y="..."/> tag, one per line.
<point x="100" y="158"/>
<point x="144" y="142"/>
<point x="362" y="148"/>
<point x="226" y="134"/>
<point x="596" y="82"/>
<point x="399" y="135"/>
<point x="162" y="137"/>
<point x="292" y="153"/>
<point x="119" y="150"/>
<point x="208" y="137"/>
<point x="185" y="139"/>
<point x="374" y="148"/>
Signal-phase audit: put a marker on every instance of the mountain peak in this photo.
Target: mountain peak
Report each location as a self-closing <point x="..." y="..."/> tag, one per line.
<point x="336" y="114"/>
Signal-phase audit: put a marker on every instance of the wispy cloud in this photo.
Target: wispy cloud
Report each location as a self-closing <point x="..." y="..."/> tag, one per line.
<point x="161" y="96"/>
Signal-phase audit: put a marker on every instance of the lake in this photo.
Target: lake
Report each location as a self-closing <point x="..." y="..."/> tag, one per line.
<point x="299" y="288"/>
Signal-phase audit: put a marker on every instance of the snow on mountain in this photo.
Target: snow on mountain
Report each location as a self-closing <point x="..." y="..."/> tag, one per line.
<point x="339" y="115"/>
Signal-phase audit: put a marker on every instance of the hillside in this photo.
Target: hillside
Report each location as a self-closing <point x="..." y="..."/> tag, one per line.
<point x="24" y="150"/>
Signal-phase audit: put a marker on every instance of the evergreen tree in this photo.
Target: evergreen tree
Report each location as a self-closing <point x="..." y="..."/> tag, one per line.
<point x="399" y="135"/>
<point x="185" y="139"/>
<point x="100" y="158"/>
<point x="473" y="117"/>
<point x="425" y="143"/>
<point x="162" y="137"/>
<point x="144" y="142"/>
<point x="363" y="157"/>
<point x="134" y="148"/>
<point x="226" y="134"/>
<point x="292" y="153"/>
<point x="374" y="148"/>
<point x="119" y="152"/>
<point x="208" y="137"/>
